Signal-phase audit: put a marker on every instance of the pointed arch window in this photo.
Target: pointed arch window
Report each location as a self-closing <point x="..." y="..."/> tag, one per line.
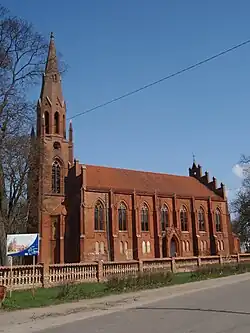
<point x="164" y="218"/>
<point x="121" y="248"/>
<point x="97" y="248"/>
<point x="99" y="216"/>
<point x="46" y="121"/>
<point x="126" y="247"/>
<point x="218" y="220"/>
<point x="144" y="249"/>
<point x="56" y="122"/>
<point x="102" y="248"/>
<point x="122" y="217"/>
<point x="144" y="218"/>
<point x="201" y="219"/>
<point x="148" y="247"/>
<point x="56" y="177"/>
<point x="184" y="219"/>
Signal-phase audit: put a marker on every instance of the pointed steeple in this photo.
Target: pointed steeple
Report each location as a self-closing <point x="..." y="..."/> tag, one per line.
<point x="52" y="64"/>
<point x="52" y="79"/>
<point x="51" y="104"/>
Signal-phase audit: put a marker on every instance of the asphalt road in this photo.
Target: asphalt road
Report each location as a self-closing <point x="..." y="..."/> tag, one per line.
<point x="219" y="310"/>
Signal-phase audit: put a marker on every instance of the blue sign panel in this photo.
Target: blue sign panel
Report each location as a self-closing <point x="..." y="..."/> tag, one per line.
<point x="21" y="245"/>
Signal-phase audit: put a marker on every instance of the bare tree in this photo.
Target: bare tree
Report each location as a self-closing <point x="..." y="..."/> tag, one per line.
<point x="241" y="206"/>
<point x="23" y="55"/>
<point x="22" y="59"/>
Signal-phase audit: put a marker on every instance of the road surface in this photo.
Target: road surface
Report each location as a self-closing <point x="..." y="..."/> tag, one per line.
<point x="225" y="309"/>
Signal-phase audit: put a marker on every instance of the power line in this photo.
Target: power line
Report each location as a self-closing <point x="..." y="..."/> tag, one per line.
<point x="181" y="71"/>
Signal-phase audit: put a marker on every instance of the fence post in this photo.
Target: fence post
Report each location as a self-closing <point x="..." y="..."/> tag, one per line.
<point x="221" y="260"/>
<point x="140" y="263"/>
<point x="100" y="271"/>
<point x="173" y="265"/>
<point x="199" y="261"/>
<point x="238" y="257"/>
<point x="45" y="275"/>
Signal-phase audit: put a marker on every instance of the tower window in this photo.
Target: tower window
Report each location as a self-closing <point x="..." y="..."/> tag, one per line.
<point x="46" y="120"/>
<point x="57" y="145"/>
<point x="56" y="177"/>
<point x="56" y="122"/>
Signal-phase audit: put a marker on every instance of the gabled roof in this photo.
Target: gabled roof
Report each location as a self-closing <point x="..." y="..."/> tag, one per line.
<point x="100" y="177"/>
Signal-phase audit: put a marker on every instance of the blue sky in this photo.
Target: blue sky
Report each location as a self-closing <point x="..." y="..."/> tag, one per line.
<point x="112" y="47"/>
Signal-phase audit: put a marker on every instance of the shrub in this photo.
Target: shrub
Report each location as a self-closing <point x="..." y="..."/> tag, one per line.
<point x="145" y="280"/>
<point x="75" y="291"/>
<point x="211" y="271"/>
<point x="67" y="291"/>
<point x="244" y="267"/>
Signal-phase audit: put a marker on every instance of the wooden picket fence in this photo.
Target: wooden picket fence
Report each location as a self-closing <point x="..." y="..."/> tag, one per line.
<point x="26" y="277"/>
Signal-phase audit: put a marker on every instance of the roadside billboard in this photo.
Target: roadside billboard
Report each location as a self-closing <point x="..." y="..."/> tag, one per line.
<point x="20" y="245"/>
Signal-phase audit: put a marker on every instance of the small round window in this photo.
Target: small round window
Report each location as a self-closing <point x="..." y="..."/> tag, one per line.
<point x="57" y="145"/>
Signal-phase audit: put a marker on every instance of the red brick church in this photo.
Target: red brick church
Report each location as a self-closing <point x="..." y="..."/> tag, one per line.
<point x="86" y="212"/>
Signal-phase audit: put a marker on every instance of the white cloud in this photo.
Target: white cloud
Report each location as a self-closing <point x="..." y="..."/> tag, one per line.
<point x="238" y="170"/>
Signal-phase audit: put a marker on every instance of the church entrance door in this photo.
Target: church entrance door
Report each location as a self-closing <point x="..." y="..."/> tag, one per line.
<point x="173" y="248"/>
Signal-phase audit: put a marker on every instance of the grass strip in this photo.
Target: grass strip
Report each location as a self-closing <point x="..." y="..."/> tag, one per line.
<point x="70" y="292"/>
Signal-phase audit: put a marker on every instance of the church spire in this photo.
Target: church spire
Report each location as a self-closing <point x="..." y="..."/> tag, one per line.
<point x="52" y="79"/>
<point x="52" y="64"/>
<point x="51" y="104"/>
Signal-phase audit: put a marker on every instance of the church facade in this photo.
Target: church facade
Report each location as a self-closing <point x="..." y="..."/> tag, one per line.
<point x="88" y="213"/>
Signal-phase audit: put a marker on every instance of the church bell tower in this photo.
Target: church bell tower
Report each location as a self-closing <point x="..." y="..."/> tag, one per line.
<point x="56" y="155"/>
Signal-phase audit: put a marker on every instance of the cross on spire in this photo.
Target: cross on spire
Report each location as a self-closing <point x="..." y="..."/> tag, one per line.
<point x="193" y="158"/>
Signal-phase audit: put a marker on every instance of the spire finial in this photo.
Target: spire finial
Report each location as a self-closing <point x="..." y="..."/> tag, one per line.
<point x="194" y="158"/>
<point x="52" y="35"/>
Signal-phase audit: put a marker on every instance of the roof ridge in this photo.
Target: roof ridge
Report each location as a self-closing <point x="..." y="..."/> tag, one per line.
<point x="134" y="170"/>
<point x="145" y="181"/>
